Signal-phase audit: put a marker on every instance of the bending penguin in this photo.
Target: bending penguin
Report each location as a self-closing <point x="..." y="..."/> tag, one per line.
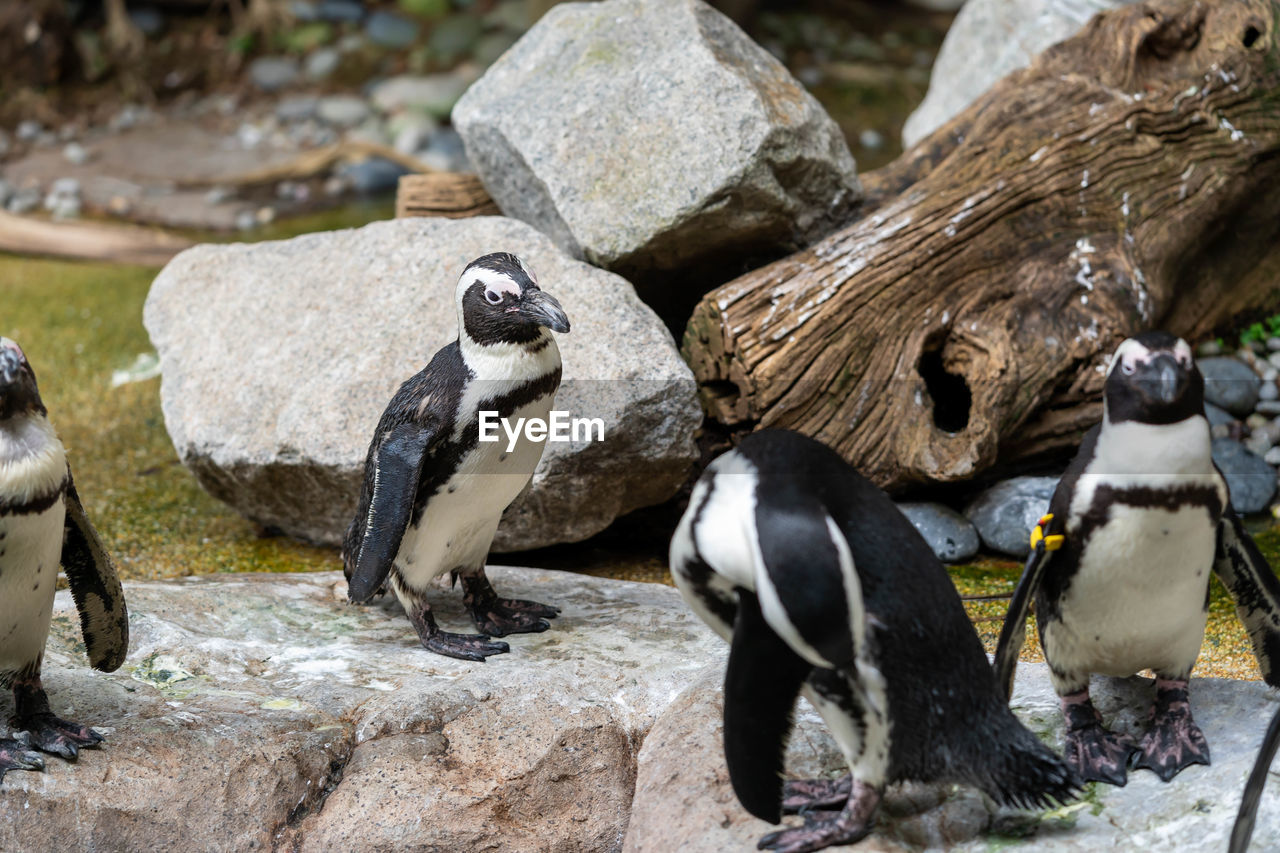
<point x="1120" y="567"/>
<point x="433" y="492"/>
<point x="42" y="524"/>
<point x="823" y="588"/>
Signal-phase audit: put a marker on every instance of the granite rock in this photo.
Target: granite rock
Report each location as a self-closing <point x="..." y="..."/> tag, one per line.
<point x="278" y="359"/>
<point x="989" y="39"/>
<point x="1230" y="384"/>
<point x="730" y="156"/>
<point x="1005" y="513"/>
<point x="951" y="536"/>
<point x="264" y="712"/>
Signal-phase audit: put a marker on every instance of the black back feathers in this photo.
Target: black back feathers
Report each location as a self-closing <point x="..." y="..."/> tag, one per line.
<point x="760" y="689"/>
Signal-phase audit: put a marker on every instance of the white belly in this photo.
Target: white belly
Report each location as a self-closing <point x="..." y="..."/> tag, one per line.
<point x="32" y="550"/>
<point x="1137" y="599"/>
<point x="459" y="521"/>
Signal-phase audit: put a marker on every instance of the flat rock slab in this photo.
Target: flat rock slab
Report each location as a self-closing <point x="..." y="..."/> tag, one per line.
<point x="261" y="711"/>
<point x="684" y="800"/>
<point x="278" y="359"/>
<point x="147" y="167"/>
<point x="729" y="157"/>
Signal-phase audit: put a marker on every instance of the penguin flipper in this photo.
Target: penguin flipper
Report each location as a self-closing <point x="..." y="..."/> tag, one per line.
<point x="1014" y="630"/>
<point x="95" y="587"/>
<point x="1242" y="831"/>
<point x="395" y="485"/>
<point x="1256" y="591"/>
<point x="761" y="685"/>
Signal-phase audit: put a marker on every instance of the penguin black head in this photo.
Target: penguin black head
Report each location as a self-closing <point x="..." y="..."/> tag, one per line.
<point x="1153" y="379"/>
<point x="499" y="302"/>
<point x="18" y="392"/>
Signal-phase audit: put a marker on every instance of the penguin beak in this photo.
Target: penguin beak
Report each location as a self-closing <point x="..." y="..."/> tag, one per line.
<point x="16" y="388"/>
<point x="544" y="309"/>
<point x="1163" y="379"/>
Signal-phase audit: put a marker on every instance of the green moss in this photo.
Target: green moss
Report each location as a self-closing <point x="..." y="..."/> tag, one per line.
<point x="78" y="323"/>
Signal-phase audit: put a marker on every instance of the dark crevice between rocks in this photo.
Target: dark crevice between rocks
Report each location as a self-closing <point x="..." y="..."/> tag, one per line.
<point x="952" y="399"/>
<point x="288" y="836"/>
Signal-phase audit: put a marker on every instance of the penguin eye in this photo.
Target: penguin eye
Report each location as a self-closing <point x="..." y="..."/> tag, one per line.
<point x="1127" y="368"/>
<point x="493" y="297"/>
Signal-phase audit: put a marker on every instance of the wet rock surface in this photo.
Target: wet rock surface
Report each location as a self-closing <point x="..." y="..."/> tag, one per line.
<point x="1251" y="480"/>
<point x="1230" y="384"/>
<point x="660" y="185"/>
<point x="263" y="711"/>
<point x="684" y="800"/>
<point x="278" y="359"/>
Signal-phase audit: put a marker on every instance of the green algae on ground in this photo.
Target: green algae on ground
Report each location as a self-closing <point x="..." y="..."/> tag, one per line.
<point x="78" y="323"/>
<point x="1226" y="652"/>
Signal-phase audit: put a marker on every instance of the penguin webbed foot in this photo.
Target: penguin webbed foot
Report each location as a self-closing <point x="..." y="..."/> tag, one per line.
<point x="16" y="754"/>
<point x="1174" y="741"/>
<point x="805" y="795"/>
<point x="475" y="647"/>
<point x="57" y="736"/>
<point x="1094" y="752"/>
<point x="501" y="616"/>
<point x="824" y="829"/>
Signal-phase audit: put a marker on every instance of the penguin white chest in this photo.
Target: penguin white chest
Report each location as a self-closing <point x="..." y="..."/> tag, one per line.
<point x="460" y="520"/>
<point x="1137" y="599"/>
<point x="30" y="551"/>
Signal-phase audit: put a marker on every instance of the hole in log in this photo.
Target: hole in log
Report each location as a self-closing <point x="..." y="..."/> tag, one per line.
<point x="950" y="391"/>
<point x="1251" y="35"/>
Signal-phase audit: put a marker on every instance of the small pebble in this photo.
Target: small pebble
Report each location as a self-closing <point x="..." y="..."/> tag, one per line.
<point x="217" y="195"/>
<point x="265" y="215"/>
<point x="28" y="130"/>
<point x="336" y="185"/>
<point x="1256" y="421"/>
<point x="75" y="154"/>
<point x="872" y="140"/>
<point x="245" y="220"/>
<point x="1272" y="456"/>
<point x="1268" y="391"/>
<point x="24" y="201"/>
<point x="1273" y="344"/>
<point x="6" y="192"/>
<point x="1208" y="349"/>
<point x="1274" y="359"/>
<point x="322" y="63"/>
<point x="118" y="205"/>
<point x="1268" y="407"/>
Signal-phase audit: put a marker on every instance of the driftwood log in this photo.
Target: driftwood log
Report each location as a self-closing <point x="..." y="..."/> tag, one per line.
<point x="453" y="194"/>
<point x="1129" y="179"/>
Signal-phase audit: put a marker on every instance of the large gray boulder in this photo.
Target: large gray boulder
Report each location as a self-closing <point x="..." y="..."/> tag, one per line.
<point x="684" y="800"/>
<point x="264" y="712"/>
<point x="278" y="358"/>
<point x="584" y="130"/>
<point x="1005" y="513"/>
<point x="989" y="39"/>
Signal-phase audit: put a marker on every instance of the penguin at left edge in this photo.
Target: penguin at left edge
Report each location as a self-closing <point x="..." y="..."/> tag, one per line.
<point x="43" y="524"/>
<point x="823" y="588"/>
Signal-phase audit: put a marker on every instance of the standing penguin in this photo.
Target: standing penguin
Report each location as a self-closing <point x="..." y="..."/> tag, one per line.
<point x="1120" y="565"/>
<point x="42" y="524"/>
<point x="433" y="492"/>
<point x="822" y="587"/>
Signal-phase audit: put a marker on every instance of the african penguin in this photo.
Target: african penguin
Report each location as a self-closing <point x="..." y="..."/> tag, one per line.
<point x="823" y="588"/>
<point x="1144" y="517"/>
<point x="433" y="492"/>
<point x="42" y="525"/>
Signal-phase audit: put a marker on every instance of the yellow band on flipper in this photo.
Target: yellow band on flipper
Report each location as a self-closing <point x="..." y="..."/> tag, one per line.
<point x="1051" y="543"/>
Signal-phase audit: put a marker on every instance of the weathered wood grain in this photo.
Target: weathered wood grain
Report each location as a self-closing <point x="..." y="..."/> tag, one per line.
<point x="1129" y="179"/>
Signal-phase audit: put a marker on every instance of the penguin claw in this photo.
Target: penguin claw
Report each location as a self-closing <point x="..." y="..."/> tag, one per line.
<point x="502" y="616"/>
<point x="821" y="829"/>
<point x="56" y="736"/>
<point x="800" y="796"/>
<point x="474" y="647"/>
<point x="1098" y="755"/>
<point x="1174" y="741"/>
<point x="15" y="754"/>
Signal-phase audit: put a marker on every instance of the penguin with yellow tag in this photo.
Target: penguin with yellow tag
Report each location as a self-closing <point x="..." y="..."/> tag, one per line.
<point x="1119" y="568"/>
